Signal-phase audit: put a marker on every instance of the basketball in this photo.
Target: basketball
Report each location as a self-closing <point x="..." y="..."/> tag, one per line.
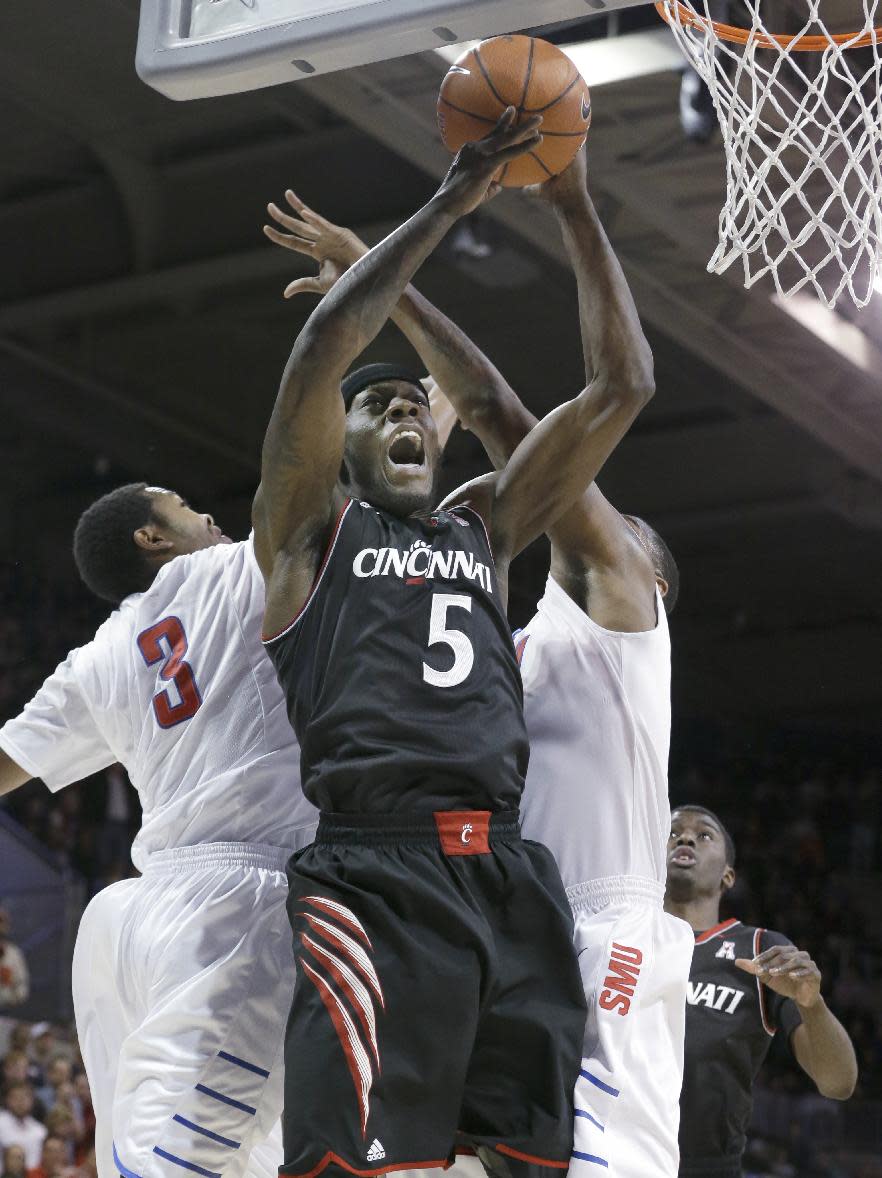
<point x="531" y="75"/>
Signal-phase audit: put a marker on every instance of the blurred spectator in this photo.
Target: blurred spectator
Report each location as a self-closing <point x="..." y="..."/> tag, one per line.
<point x="14" y="981"/>
<point x="13" y="1162"/>
<point x="20" y="1037"/>
<point x="62" y="1124"/>
<point x="43" y="1047"/>
<point x="18" y="1127"/>
<point x="53" y="1159"/>
<point x="88" y="1168"/>
<point x="59" y="1071"/>
<point x="83" y="1098"/>
<point x="16" y="1068"/>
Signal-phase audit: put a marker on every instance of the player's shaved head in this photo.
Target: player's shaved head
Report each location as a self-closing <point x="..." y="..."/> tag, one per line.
<point x="662" y="559"/>
<point x="109" y="562"/>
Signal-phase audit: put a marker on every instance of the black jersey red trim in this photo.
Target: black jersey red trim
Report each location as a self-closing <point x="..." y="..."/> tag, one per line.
<point x="761" y="990"/>
<point x="716" y="931"/>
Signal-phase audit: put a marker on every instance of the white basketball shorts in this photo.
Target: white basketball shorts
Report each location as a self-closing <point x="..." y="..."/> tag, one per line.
<point x="635" y="961"/>
<point x="182" y="983"/>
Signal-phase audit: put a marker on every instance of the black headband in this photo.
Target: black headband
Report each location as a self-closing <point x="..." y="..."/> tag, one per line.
<point x="372" y="374"/>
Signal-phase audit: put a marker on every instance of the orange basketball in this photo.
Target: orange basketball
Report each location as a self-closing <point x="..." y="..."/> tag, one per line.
<point x="534" y="77"/>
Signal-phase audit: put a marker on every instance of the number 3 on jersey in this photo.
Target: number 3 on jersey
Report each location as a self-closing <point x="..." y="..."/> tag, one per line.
<point x="167" y="641"/>
<point x="439" y="632"/>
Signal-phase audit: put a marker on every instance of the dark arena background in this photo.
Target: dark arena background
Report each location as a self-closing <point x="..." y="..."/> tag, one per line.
<point x="142" y="335"/>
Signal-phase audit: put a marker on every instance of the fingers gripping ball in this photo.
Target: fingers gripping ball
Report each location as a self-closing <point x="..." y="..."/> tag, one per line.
<point x="535" y="78"/>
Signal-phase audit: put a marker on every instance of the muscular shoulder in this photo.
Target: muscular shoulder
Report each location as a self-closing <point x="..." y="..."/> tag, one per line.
<point x="477" y="495"/>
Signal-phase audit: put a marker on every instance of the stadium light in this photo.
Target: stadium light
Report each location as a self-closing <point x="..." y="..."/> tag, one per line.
<point x="608" y="59"/>
<point x="849" y="340"/>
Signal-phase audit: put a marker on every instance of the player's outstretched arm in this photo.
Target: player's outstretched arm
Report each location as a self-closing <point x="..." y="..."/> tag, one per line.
<point x="11" y="774"/>
<point x="592" y="544"/>
<point x="481" y="398"/>
<point x="557" y="462"/>
<point x="820" y="1043"/>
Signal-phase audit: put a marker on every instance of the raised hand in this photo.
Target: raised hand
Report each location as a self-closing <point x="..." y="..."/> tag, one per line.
<point x="471" y="179"/>
<point x="788" y="971"/>
<point x="334" y="248"/>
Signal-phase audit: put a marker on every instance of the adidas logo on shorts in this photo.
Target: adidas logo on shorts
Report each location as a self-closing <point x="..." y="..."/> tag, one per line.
<point x="376" y="1151"/>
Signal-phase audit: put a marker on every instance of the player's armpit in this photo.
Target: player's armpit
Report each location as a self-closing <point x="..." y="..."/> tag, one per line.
<point x="11" y="774"/>
<point x="600" y="562"/>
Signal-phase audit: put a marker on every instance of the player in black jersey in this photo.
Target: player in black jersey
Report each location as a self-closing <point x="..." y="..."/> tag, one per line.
<point x="731" y="1016"/>
<point x="438" y="1003"/>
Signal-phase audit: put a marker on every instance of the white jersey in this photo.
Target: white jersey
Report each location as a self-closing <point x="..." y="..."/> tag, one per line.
<point x="598" y="712"/>
<point x="176" y="686"/>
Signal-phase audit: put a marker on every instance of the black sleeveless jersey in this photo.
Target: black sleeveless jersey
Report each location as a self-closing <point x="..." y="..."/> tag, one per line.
<point x="731" y="1019"/>
<point x="400" y="672"/>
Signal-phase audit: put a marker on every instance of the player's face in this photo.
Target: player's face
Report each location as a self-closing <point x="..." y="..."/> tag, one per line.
<point x="188" y="529"/>
<point x="696" y="853"/>
<point x="392" y="451"/>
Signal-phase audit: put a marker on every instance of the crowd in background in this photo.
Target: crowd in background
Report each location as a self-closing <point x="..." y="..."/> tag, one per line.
<point x="805" y="812"/>
<point x="47" y="1123"/>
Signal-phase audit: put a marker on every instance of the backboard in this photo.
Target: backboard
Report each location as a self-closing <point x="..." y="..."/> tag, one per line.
<point x="198" y="48"/>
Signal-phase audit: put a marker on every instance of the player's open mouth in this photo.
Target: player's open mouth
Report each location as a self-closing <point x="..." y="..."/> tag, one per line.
<point x="684" y="857"/>
<point x="406" y="449"/>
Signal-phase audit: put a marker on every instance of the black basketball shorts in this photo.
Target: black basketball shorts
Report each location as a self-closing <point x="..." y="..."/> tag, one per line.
<point x="438" y="1006"/>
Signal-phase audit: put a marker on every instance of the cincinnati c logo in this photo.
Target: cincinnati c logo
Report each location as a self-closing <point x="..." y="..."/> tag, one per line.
<point x="466" y="832"/>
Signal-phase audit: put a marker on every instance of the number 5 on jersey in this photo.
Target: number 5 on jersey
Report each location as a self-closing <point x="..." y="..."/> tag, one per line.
<point x="166" y="642"/>
<point x="440" y="632"/>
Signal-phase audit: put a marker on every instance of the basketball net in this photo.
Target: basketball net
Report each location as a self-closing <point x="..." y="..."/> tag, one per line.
<point x="801" y="118"/>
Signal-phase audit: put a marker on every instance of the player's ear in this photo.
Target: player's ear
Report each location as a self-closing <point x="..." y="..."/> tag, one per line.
<point x="728" y="880"/>
<point x="662" y="584"/>
<point x="150" y="539"/>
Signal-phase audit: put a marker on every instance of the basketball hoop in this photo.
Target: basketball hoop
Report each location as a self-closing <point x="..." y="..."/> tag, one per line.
<point x="801" y="119"/>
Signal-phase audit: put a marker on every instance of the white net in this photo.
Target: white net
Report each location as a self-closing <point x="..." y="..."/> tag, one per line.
<point x="802" y="132"/>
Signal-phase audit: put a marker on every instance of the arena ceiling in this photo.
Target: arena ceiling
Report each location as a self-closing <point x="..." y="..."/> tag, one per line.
<point x="142" y="334"/>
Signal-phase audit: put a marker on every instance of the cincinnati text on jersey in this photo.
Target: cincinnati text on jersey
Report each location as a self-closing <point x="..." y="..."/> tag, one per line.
<point x="716" y="997"/>
<point x="421" y="563"/>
